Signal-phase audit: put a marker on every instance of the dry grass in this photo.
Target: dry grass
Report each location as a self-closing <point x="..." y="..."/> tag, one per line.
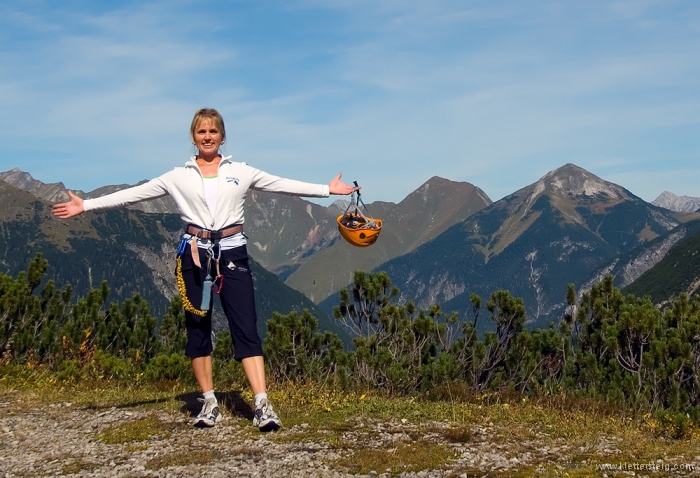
<point x="405" y="457"/>
<point x="39" y="384"/>
<point x="136" y="431"/>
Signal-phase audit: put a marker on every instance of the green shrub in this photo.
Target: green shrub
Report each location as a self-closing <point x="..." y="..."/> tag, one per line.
<point x="111" y="367"/>
<point x="674" y="424"/>
<point x="168" y="367"/>
<point x="70" y="371"/>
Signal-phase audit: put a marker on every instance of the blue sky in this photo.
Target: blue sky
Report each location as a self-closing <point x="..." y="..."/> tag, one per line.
<point x="390" y="93"/>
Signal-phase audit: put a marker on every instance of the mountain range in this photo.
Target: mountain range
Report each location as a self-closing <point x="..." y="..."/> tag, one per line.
<point x="562" y="229"/>
<point x="445" y="240"/>
<point x="299" y="240"/>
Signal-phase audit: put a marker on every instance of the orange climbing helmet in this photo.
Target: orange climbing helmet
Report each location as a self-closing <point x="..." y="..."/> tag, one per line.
<point x="357" y="228"/>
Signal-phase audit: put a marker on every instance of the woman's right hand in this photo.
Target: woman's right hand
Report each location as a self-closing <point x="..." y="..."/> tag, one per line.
<point x="338" y="187"/>
<point x="68" y="209"/>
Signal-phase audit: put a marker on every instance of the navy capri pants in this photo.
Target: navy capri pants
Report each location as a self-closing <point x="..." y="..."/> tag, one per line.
<point x="237" y="299"/>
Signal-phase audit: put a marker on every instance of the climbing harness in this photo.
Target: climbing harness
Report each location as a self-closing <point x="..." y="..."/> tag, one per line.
<point x="357" y="228"/>
<point x="211" y="284"/>
<point x="213" y="235"/>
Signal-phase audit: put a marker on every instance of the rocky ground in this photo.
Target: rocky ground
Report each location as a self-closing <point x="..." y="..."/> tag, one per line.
<point x="156" y="440"/>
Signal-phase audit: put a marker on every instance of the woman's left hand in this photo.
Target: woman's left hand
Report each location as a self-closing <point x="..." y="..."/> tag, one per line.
<point x="68" y="209"/>
<point x="338" y="187"/>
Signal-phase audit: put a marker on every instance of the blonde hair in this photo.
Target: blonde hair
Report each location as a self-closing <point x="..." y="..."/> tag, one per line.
<point x="212" y="114"/>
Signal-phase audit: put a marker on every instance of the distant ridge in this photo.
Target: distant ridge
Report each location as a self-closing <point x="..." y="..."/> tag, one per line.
<point x="670" y="201"/>
<point x="52" y="192"/>
<point x="56" y="192"/>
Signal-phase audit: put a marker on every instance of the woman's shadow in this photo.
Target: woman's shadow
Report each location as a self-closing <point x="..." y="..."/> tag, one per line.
<point x="232" y="402"/>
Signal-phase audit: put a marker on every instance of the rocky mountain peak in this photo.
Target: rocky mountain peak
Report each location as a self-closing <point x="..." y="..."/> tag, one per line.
<point x="56" y="192"/>
<point x="339" y="206"/>
<point x="437" y="189"/>
<point x="575" y="181"/>
<point x="432" y="185"/>
<point x="53" y="192"/>
<point x="20" y="179"/>
<point x="668" y="200"/>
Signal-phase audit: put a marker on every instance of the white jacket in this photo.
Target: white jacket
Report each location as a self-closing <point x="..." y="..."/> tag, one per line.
<point x="185" y="185"/>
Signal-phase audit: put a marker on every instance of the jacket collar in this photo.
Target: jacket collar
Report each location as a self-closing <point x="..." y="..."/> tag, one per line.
<point x="193" y="161"/>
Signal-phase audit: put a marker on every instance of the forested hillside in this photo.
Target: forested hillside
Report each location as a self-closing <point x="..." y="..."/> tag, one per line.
<point x="677" y="273"/>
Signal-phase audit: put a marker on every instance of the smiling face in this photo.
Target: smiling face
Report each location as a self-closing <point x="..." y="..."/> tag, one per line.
<point x="207" y="137"/>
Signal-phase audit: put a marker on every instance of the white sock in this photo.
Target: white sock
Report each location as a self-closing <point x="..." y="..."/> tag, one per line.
<point x="209" y="395"/>
<point x="259" y="398"/>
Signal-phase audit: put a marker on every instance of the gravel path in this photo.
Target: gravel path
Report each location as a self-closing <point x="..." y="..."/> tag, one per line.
<point x="147" y="440"/>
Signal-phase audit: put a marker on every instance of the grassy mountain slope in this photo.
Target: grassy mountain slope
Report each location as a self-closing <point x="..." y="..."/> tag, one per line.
<point x="420" y="217"/>
<point x="284" y="231"/>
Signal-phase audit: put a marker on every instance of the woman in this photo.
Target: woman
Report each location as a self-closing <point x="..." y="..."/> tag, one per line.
<point x="210" y="192"/>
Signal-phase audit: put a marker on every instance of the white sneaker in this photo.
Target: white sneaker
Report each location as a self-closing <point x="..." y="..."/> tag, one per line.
<point x="265" y="417"/>
<point x="209" y="415"/>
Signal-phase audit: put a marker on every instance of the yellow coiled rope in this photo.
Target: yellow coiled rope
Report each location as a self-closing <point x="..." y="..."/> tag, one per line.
<point x="183" y="291"/>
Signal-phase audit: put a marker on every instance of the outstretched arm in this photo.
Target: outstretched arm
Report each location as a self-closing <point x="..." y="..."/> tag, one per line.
<point x="338" y="187"/>
<point x="68" y="209"/>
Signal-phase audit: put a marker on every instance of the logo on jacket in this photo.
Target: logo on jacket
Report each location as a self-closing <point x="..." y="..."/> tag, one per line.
<point x="229" y="179"/>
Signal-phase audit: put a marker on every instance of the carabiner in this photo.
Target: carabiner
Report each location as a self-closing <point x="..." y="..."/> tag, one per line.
<point x="217" y="288"/>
